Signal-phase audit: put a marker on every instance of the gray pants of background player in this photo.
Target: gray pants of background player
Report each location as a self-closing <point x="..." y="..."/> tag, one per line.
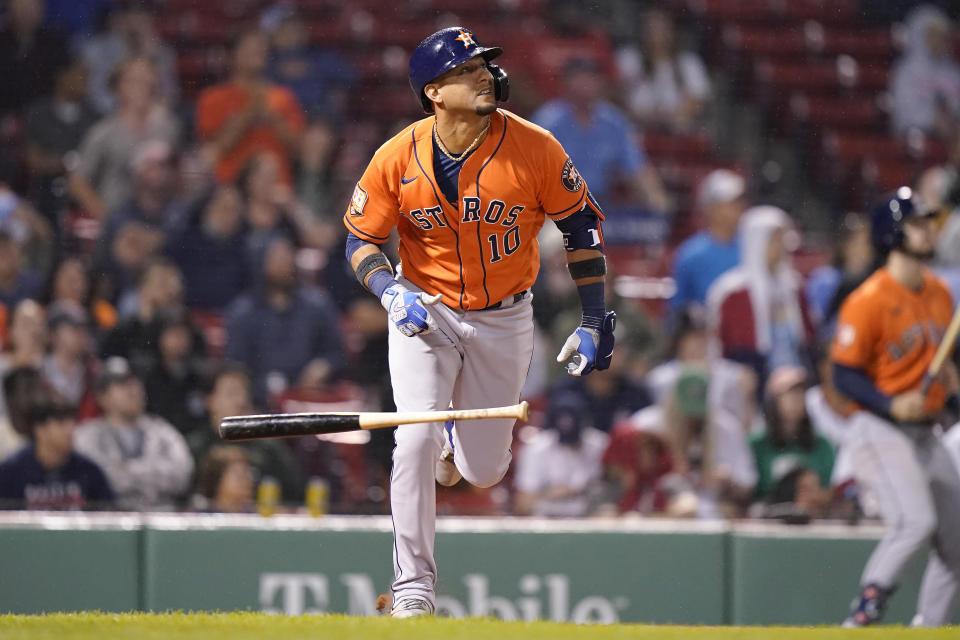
<point x="476" y="359"/>
<point x="918" y="489"/>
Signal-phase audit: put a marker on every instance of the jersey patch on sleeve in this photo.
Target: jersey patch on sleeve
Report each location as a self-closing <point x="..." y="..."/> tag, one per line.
<point x="358" y="201"/>
<point x="571" y="177"/>
<point x="846" y="334"/>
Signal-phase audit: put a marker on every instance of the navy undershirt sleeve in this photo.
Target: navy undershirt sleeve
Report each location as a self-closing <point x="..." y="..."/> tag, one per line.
<point x="855" y="384"/>
<point x="353" y="243"/>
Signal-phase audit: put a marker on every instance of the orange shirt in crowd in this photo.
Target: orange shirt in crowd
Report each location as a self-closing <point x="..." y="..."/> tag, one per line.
<point x="218" y="104"/>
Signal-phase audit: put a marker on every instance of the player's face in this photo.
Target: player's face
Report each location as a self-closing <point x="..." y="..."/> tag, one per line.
<point x="920" y="236"/>
<point x="468" y="86"/>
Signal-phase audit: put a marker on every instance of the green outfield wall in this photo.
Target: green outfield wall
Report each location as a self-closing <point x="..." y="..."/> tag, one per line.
<point x="655" y="571"/>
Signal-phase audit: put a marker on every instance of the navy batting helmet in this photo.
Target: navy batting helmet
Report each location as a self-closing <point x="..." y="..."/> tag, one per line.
<point x="446" y="49"/>
<point x="889" y="215"/>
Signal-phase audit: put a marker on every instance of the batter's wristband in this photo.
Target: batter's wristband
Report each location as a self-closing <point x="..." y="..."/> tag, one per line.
<point x="371" y="263"/>
<point x="379" y="282"/>
<point x="591" y="268"/>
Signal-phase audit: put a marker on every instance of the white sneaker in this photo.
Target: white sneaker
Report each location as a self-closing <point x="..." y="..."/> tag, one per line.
<point x="446" y="471"/>
<point x="411" y="607"/>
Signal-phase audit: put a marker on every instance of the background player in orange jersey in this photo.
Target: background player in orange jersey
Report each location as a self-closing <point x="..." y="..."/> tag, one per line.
<point x="887" y="334"/>
<point x="467" y="190"/>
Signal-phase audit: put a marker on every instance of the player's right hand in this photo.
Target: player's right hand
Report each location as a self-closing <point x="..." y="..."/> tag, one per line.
<point x="408" y="310"/>
<point x="909" y="406"/>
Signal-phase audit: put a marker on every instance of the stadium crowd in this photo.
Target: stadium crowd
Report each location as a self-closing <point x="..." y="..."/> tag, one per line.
<point x="171" y="254"/>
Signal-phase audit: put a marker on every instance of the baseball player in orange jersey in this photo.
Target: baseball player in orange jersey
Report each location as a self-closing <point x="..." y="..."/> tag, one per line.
<point x="886" y="337"/>
<point x="467" y="189"/>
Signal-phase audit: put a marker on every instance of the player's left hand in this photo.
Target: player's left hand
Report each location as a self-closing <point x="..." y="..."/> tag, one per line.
<point x="589" y="349"/>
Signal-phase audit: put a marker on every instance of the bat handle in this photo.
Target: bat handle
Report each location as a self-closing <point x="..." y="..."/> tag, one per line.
<point x="927" y="381"/>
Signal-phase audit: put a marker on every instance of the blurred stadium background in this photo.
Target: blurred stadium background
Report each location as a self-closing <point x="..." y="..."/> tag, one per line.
<point x="140" y="253"/>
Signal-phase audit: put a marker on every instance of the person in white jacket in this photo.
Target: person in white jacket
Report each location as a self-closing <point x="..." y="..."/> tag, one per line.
<point x="144" y="457"/>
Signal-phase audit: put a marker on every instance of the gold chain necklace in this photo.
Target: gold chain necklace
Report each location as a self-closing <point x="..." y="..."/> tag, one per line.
<point x="443" y="149"/>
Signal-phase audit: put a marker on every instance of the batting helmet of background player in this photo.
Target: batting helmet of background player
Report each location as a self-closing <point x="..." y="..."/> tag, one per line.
<point x="889" y="215"/>
<point x="446" y="49"/>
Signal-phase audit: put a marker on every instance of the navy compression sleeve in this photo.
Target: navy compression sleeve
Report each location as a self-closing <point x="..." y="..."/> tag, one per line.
<point x="855" y="384"/>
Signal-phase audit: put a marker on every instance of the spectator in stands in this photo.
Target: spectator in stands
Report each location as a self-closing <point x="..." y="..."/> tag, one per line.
<point x="133" y="338"/>
<point x="315" y="172"/>
<point x="248" y="115"/>
<point x="852" y="260"/>
<point x="78" y="19"/>
<point x="136" y="232"/>
<point x="320" y="78"/>
<point x="47" y="474"/>
<point x="285" y="333"/>
<point x="611" y="395"/>
<point x="272" y="210"/>
<point x="55" y="126"/>
<point x="939" y="188"/>
<point x="757" y="310"/>
<point x="789" y="440"/>
<point x="101" y="180"/>
<point x="225" y="481"/>
<point x="27" y="337"/>
<point x="925" y="81"/>
<point x="24" y="345"/>
<point x="636" y="462"/>
<point x="68" y="366"/>
<point x="559" y="469"/>
<point x="30" y="55"/>
<point x="665" y="88"/>
<point x="29" y="231"/>
<point x="71" y="289"/>
<point x="713" y="473"/>
<point x="211" y="251"/>
<point x="227" y="393"/>
<point x="174" y="382"/>
<point x="602" y="143"/>
<point x="732" y="386"/>
<point x="130" y="32"/>
<point x="146" y="460"/>
<point x="703" y="257"/>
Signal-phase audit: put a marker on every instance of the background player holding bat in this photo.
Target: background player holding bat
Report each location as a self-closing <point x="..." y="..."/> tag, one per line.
<point x="467" y="189"/>
<point x="888" y="332"/>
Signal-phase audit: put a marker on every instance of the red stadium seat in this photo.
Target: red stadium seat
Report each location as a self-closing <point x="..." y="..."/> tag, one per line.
<point x="837" y="113"/>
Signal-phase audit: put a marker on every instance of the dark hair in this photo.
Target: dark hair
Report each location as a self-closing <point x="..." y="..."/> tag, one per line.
<point x="213" y="466"/>
<point x="688" y="321"/>
<point x="806" y="438"/>
<point x="32" y="400"/>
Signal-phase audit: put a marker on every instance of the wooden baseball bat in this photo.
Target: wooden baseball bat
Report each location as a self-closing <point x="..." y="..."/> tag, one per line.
<point x="283" y="425"/>
<point x="943" y="351"/>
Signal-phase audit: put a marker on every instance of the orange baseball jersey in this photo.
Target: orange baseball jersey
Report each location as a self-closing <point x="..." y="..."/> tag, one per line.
<point x="891" y="332"/>
<point x="484" y="248"/>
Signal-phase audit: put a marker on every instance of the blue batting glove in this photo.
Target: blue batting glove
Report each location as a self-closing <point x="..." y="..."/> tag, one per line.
<point x="408" y="310"/>
<point x="588" y="348"/>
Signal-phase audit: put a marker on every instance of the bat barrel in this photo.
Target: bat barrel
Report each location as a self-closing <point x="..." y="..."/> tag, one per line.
<point x="286" y="425"/>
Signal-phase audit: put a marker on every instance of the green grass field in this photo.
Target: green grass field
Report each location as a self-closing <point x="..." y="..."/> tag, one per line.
<point x="243" y="626"/>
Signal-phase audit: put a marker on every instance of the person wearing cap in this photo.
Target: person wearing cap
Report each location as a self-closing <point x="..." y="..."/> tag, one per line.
<point x="145" y="458"/>
<point x="68" y="363"/>
<point x="559" y="468"/>
<point x="48" y="473"/>
<point x="600" y="139"/>
<point x="757" y="312"/>
<point x="789" y="440"/>
<point x="704" y="256"/>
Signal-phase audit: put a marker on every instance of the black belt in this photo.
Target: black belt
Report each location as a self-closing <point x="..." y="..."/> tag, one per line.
<point x="517" y="297"/>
